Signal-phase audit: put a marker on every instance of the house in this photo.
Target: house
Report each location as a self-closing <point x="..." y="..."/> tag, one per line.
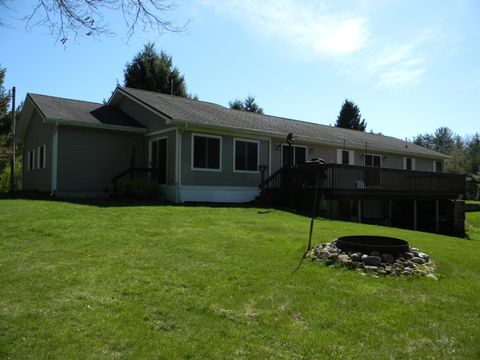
<point x="200" y="151"/>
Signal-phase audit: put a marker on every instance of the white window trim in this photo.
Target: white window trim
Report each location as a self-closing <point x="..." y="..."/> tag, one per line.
<point x="166" y="155"/>
<point x="435" y="165"/>
<point x="285" y="144"/>
<point x="150" y="148"/>
<point x="405" y="162"/>
<point x="351" y="156"/>
<point x="235" y="156"/>
<point x="192" y="167"/>
<point x="365" y="159"/>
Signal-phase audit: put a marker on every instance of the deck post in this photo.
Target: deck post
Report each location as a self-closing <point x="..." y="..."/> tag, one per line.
<point x="437" y="221"/>
<point x="389" y="212"/>
<point x="359" y="211"/>
<point x="415" y="214"/>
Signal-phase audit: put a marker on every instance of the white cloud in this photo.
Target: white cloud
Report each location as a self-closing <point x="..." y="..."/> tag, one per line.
<point x="313" y="31"/>
<point x="305" y="28"/>
<point x="400" y="64"/>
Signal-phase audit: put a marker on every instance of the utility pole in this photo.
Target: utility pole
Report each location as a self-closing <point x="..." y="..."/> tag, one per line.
<point x="12" y="159"/>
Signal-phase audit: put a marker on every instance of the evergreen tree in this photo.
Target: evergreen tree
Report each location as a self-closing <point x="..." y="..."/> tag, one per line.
<point x="248" y="104"/>
<point x="154" y="71"/>
<point x="350" y="117"/>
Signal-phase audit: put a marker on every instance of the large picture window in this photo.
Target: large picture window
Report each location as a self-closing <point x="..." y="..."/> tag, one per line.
<point x="206" y="152"/>
<point x="246" y="155"/>
<point x="372" y="160"/>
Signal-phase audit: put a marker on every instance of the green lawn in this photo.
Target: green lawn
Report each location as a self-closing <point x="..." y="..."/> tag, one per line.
<point x="172" y="282"/>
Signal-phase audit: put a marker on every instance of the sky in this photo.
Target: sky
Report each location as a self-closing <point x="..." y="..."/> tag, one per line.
<point x="411" y="66"/>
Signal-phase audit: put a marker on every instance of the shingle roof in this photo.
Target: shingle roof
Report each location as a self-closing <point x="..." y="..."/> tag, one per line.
<point x="209" y="114"/>
<point x="82" y="111"/>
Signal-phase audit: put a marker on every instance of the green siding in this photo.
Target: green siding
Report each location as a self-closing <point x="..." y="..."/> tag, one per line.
<point x="38" y="134"/>
<point x="226" y="177"/>
<point x="145" y="117"/>
<point x="88" y="159"/>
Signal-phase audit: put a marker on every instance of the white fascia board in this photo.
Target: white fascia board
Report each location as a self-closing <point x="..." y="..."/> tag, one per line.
<point x="95" y="126"/>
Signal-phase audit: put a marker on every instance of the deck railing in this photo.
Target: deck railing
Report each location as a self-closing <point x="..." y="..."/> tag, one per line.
<point x="344" y="178"/>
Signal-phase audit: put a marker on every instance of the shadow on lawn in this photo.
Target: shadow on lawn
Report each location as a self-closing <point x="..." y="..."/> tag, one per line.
<point x="131" y="202"/>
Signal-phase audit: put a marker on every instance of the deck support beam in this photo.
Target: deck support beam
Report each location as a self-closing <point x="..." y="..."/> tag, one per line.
<point x="437" y="220"/>
<point x="415" y="214"/>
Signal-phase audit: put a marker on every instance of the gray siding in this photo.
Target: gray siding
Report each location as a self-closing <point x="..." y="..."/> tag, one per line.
<point x="145" y="117"/>
<point x="171" y="150"/>
<point x="88" y="159"/>
<point x="227" y="177"/>
<point x="329" y="154"/>
<point x="424" y="164"/>
<point x="38" y="134"/>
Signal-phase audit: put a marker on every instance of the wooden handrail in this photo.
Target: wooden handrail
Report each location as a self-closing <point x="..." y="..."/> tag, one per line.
<point x="339" y="177"/>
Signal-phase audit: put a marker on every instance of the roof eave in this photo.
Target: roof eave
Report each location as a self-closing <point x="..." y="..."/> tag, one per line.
<point x="181" y="122"/>
<point x="131" y="129"/>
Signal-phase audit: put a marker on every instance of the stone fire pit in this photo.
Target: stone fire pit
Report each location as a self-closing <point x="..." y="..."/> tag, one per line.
<point x="374" y="255"/>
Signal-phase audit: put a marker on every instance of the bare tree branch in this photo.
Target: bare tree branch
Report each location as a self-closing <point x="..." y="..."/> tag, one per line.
<point x="73" y="18"/>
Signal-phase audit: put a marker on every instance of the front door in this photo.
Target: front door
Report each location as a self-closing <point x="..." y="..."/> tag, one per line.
<point x="158" y="160"/>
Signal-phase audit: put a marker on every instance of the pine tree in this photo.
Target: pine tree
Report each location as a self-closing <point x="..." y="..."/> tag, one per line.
<point x="350" y="117"/>
<point x="154" y="71"/>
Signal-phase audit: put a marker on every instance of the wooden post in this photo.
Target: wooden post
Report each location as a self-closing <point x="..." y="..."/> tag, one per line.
<point x="359" y="211"/>
<point x="437" y="220"/>
<point x="390" y="212"/>
<point x="12" y="159"/>
<point x="415" y="214"/>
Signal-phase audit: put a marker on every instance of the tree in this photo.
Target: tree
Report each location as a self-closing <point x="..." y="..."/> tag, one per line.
<point x="443" y="140"/>
<point x="4" y="100"/>
<point x="425" y="140"/>
<point x="248" y="104"/>
<point x="350" y="117"/>
<point x="154" y="71"/>
<point x="72" y="18"/>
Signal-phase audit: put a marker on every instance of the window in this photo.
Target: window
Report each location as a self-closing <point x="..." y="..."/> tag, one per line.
<point x="299" y="155"/>
<point x="345" y="157"/>
<point x="408" y="163"/>
<point x="246" y="155"/>
<point x="206" y="152"/>
<point x="32" y="160"/>
<point x="437" y="166"/>
<point x="42" y="157"/>
<point x="372" y="160"/>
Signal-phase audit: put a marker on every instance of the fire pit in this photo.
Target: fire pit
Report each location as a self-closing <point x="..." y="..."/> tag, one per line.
<point x="367" y="244"/>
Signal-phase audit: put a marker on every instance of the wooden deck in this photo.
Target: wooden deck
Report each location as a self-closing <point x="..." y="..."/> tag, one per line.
<point x="335" y="180"/>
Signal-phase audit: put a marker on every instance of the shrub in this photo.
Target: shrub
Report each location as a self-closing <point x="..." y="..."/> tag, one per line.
<point x="139" y="188"/>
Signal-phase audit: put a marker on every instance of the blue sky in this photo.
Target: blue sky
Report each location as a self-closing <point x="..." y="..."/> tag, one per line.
<point x="411" y="66"/>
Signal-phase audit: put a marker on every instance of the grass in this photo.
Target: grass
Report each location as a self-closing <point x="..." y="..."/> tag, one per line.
<point x="172" y="282"/>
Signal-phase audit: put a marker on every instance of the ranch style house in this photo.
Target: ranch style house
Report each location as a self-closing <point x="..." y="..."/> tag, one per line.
<point x="203" y="152"/>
